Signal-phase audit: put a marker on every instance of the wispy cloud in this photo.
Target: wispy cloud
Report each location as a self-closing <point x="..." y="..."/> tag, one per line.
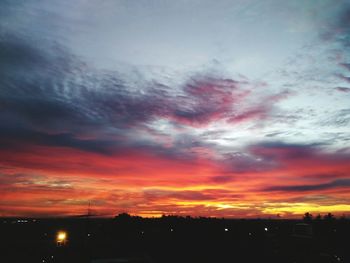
<point x="341" y="183"/>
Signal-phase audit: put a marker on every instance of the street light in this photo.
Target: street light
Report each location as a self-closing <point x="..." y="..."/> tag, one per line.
<point x="61" y="238"/>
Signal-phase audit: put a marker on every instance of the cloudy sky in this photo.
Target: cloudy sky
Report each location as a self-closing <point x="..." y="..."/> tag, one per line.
<point x="235" y="108"/>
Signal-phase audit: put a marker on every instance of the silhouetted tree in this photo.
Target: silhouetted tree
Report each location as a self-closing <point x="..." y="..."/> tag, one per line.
<point x="329" y="217"/>
<point x="123" y="216"/>
<point x="307" y="217"/>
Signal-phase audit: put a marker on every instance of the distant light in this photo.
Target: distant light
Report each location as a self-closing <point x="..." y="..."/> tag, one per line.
<point x="266" y="229"/>
<point x="249" y="233"/>
<point x="88" y="234"/>
<point x="61" y="238"/>
<point x="337" y="258"/>
<point x="142" y="232"/>
<point x="171" y="229"/>
<point x="226" y="229"/>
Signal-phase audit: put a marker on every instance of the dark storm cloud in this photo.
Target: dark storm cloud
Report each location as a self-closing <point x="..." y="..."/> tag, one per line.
<point x="278" y="150"/>
<point x="274" y="134"/>
<point x="341" y="183"/>
<point x="74" y="94"/>
<point x="270" y="156"/>
<point x="343" y="26"/>
<point x="267" y="156"/>
<point x="245" y="162"/>
<point x="345" y="65"/>
<point x="261" y="111"/>
<point x="345" y="78"/>
<point x="32" y="83"/>
<point x="321" y="199"/>
<point x="16" y="55"/>
<point x="46" y="86"/>
<point x="206" y="100"/>
<point x="343" y="89"/>
<point x="50" y="97"/>
<point x="293" y="147"/>
<point x="34" y="107"/>
<point x="339" y="28"/>
<point x="324" y="175"/>
<point x="14" y="135"/>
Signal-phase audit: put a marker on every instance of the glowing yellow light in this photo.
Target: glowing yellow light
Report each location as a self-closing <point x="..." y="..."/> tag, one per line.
<point x="61" y="238"/>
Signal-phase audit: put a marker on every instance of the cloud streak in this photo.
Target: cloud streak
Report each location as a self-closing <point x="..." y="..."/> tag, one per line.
<point x="341" y="183"/>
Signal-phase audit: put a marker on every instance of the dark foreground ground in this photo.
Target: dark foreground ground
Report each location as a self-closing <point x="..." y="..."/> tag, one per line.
<point x="172" y="239"/>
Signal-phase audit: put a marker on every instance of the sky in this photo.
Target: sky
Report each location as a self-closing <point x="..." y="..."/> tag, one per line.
<point x="231" y="108"/>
